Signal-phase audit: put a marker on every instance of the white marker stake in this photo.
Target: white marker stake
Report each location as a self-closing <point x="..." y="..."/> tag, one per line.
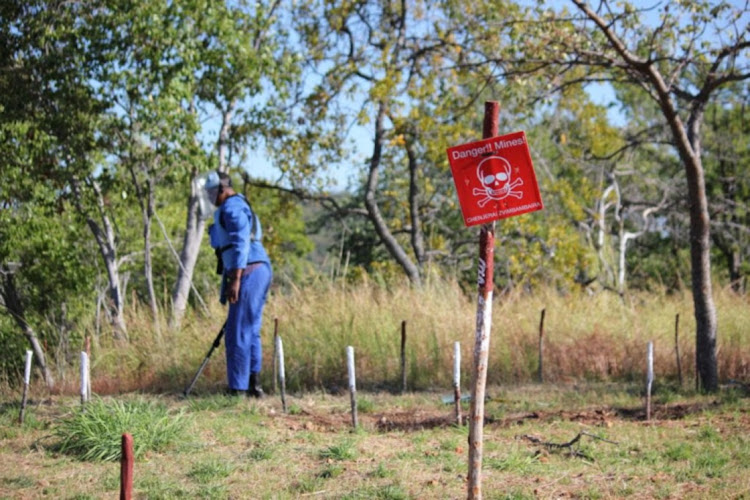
<point x="282" y="375"/>
<point x="27" y="369"/>
<point x="649" y="379"/>
<point x="88" y="377"/>
<point x="26" y="380"/>
<point x="84" y="381"/>
<point x="457" y="380"/>
<point x="352" y="383"/>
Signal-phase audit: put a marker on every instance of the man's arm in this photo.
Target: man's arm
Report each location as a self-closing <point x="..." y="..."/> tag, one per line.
<point x="233" y="287"/>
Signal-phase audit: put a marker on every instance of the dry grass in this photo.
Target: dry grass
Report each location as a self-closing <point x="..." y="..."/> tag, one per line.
<point x="596" y="338"/>
<point x="696" y="447"/>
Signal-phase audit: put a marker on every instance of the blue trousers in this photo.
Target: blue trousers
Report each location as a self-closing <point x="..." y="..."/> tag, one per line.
<point x="242" y="333"/>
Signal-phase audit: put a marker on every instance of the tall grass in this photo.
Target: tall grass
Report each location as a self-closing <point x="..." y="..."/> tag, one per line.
<point x="94" y="432"/>
<point x="587" y="337"/>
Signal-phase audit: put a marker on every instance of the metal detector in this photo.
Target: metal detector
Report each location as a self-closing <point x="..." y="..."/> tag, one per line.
<point x="216" y="344"/>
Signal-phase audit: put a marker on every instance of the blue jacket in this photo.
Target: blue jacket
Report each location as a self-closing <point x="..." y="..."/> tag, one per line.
<point x="231" y="232"/>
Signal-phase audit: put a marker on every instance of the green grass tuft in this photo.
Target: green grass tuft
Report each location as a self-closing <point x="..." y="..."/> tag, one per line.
<point x="365" y="405"/>
<point x="209" y="471"/>
<point x="94" y="432"/>
<point x="342" y="451"/>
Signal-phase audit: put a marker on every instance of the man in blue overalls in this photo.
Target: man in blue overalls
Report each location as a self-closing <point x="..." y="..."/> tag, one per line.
<point x="246" y="276"/>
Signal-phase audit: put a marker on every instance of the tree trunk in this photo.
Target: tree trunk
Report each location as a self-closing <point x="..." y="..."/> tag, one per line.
<point x="195" y="224"/>
<point x="105" y="239"/>
<point x="700" y="260"/>
<point x="13" y="303"/>
<point x="688" y="144"/>
<point x="687" y="141"/>
<point x="146" y="202"/>
<point x="188" y="256"/>
<point x="417" y="238"/>
<point x="148" y="215"/>
<point x="705" y="311"/>
<point x="373" y="210"/>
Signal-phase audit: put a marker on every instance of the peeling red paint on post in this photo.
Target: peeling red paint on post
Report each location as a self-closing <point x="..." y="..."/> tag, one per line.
<point x="485" y="281"/>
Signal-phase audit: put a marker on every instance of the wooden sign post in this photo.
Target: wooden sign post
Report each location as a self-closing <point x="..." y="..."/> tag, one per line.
<point x="494" y="179"/>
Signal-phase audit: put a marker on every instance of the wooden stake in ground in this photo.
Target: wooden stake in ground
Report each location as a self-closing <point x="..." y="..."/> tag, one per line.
<point x="279" y="347"/>
<point x="87" y="348"/>
<point x="484" y="323"/>
<point x="84" y="377"/>
<point x="541" y="347"/>
<point x="457" y="380"/>
<point x="403" y="356"/>
<point x="26" y="380"/>
<point x="677" y="347"/>
<point x="126" y="468"/>
<point x="352" y="383"/>
<point x="649" y="379"/>
<point x="275" y="352"/>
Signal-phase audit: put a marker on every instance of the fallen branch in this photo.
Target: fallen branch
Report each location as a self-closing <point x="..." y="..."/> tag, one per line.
<point x="569" y="445"/>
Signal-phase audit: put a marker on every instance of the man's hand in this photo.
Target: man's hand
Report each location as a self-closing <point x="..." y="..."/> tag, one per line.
<point x="233" y="289"/>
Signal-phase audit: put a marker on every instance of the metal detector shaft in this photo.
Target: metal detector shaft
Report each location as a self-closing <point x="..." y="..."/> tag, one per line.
<point x="217" y="343"/>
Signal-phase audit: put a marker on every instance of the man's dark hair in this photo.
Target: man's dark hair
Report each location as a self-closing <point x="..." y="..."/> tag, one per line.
<point x="224" y="180"/>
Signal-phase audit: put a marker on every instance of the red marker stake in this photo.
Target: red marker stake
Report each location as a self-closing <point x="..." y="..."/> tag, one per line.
<point x="126" y="468"/>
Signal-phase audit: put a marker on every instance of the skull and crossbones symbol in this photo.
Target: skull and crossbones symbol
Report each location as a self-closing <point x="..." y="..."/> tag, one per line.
<point x="495" y="175"/>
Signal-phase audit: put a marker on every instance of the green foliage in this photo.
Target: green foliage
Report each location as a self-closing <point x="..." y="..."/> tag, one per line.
<point x="158" y="487"/>
<point x="209" y="471"/>
<point x="261" y="452"/>
<point x="109" y="108"/>
<point x="381" y="471"/>
<point x="42" y="254"/>
<point x="345" y="450"/>
<point x="365" y="405"/>
<point x="94" y="432"/>
<point x="331" y="472"/>
<point x="212" y="403"/>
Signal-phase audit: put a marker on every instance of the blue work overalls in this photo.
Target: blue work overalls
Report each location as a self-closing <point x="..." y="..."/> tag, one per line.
<point x="238" y="236"/>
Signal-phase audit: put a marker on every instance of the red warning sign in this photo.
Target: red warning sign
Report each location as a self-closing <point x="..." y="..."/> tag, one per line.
<point x="495" y="178"/>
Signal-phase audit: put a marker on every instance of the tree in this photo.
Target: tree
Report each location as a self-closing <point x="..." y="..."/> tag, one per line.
<point x="678" y="61"/>
<point x="681" y="71"/>
<point x="48" y="116"/>
<point x="243" y="63"/>
<point x="387" y="69"/>
<point x="609" y="197"/>
<point x="727" y="155"/>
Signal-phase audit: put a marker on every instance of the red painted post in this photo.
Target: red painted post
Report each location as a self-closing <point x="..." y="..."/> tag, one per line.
<point x="484" y="324"/>
<point x="126" y="468"/>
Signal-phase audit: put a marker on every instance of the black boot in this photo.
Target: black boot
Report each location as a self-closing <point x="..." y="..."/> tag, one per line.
<point x="255" y="390"/>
